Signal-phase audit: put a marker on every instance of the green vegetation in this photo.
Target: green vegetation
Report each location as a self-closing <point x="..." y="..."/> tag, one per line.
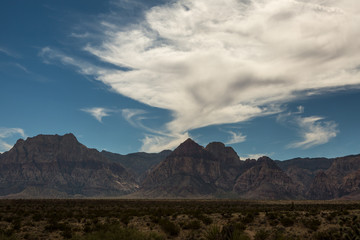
<point x="178" y="219"/>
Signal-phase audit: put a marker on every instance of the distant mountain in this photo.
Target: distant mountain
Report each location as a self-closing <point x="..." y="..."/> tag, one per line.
<point x="52" y="166"/>
<point x="139" y="163"/>
<point x="59" y="166"/>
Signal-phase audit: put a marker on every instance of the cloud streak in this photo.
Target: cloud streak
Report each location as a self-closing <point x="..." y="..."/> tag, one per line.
<point x="9" y="52"/>
<point x="215" y="62"/>
<point x="314" y="132"/>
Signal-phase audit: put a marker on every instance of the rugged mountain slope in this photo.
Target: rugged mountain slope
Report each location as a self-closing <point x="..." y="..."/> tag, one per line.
<point x="339" y="181"/>
<point x="52" y="166"/>
<point x="265" y="180"/>
<point x="59" y="166"/>
<point x="139" y="163"/>
<point x="229" y="163"/>
<point x="304" y="170"/>
<point x="322" y="187"/>
<point x="193" y="171"/>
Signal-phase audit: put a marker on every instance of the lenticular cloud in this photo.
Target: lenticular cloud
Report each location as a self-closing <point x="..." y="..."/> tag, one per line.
<point x="226" y="61"/>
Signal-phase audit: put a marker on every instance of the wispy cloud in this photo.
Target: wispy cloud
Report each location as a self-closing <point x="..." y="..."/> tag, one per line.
<point x="8" y="52"/>
<point x="7" y="133"/>
<point x="80" y="35"/>
<point x="134" y="116"/>
<point x="236" y="137"/>
<point x="301" y="109"/>
<point x="314" y="131"/>
<point x="215" y="62"/>
<point x="98" y="112"/>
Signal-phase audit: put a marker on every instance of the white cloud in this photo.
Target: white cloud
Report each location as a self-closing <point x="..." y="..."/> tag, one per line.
<point x="226" y="61"/>
<point x="255" y="156"/>
<point x="134" y="116"/>
<point x="156" y="143"/>
<point x="236" y="137"/>
<point x="7" y="133"/>
<point x="98" y="112"/>
<point x="314" y="132"/>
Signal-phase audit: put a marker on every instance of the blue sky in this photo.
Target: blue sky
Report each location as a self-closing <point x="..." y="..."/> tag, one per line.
<point x="278" y="78"/>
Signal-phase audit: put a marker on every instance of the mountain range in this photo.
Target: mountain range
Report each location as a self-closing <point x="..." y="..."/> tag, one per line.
<point x="53" y="166"/>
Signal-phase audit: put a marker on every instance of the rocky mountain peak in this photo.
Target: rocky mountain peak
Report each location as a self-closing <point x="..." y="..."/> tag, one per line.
<point x="267" y="162"/>
<point x="224" y="154"/>
<point x="61" y="164"/>
<point x="215" y="146"/>
<point x="69" y="137"/>
<point x="188" y="148"/>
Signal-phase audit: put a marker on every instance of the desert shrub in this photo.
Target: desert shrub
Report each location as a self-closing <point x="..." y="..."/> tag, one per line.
<point x="311" y="223"/>
<point x="120" y="233"/>
<point x="272" y="218"/>
<point x="279" y="234"/>
<point x="16" y="224"/>
<point x="205" y="219"/>
<point x="194" y="224"/>
<point x="248" y="218"/>
<point x="239" y="235"/>
<point x="53" y="226"/>
<point x="37" y="217"/>
<point x="67" y="233"/>
<point x="287" y="222"/>
<point x="261" y="235"/>
<point x="234" y="232"/>
<point x="331" y="234"/>
<point x="125" y="219"/>
<point x="213" y="233"/>
<point x="4" y="236"/>
<point x="169" y="227"/>
<point x="353" y="232"/>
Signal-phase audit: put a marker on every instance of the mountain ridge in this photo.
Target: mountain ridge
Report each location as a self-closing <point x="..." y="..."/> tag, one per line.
<point x="53" y="166"/>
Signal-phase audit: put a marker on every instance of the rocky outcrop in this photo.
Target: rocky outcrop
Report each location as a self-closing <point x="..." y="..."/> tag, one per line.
<point x="189" y="170"/>
<point x="265" y="180"/>
<point x="229" y="164"/>
<point x="62" y="165"/>
<point x="322" y="187"/>
<point x="193" y="171"/>
<point x="350" y="185"/>
<point x="304" y="170"/>
<point x="338" y="181"/>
